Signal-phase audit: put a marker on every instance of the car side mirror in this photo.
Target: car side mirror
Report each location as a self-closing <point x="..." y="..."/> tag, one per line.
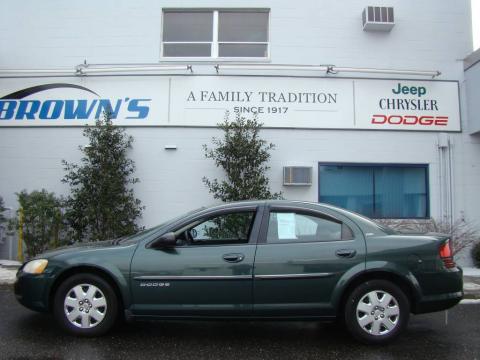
<point x="165" y="241"/>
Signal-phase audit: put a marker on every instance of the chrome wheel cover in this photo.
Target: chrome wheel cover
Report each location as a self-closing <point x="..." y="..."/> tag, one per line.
<point x="378" y="312"/>
<point x="85" y="306"/>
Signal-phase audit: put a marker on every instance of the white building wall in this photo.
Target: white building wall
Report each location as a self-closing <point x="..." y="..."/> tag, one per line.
<point x="171" y="180"/>
<point x="472" y="86"/>
<point x="428" y="34"/>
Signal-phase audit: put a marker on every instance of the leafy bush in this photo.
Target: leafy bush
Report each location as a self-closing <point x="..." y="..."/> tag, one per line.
<point x="243" y="156"/>
<point x="102" y="205"/>
<point x="42" y="220"/>
<point x="476" y="254"/>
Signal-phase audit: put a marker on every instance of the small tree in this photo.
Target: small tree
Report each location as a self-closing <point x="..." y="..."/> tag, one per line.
<point x="42" y="220"/>
<point x="243" y="156"/>
<point x="102" y="204"/>
<point x="2" y="210"/>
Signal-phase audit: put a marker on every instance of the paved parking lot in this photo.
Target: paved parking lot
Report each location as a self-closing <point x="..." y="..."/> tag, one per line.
<point x="28" y="335"/>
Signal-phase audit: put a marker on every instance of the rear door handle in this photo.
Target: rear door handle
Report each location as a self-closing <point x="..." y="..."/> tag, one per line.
<point x="346" y="253"/>
<point x="233" y="258"/>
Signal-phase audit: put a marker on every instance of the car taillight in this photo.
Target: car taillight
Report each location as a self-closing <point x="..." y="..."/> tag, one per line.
<point x="446" y="254"/>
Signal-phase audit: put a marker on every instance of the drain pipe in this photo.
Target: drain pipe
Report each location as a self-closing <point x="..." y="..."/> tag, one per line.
<point x="445" y="155"/>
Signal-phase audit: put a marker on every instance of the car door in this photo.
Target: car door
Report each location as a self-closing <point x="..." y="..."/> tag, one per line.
<point x="208" y="273"/>
<point x="301" y="256"/>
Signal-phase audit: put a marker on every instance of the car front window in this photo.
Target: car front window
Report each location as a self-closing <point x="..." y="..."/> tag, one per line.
<point x="232" y="228"/>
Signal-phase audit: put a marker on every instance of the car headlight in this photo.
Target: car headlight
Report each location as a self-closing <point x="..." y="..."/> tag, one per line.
<point x="35" y="266"/>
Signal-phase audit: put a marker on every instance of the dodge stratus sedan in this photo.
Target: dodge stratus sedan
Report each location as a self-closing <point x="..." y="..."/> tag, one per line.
<point x="249" y="260"/>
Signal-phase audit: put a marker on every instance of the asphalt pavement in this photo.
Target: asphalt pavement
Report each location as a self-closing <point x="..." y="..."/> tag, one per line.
<point x="25" y="334"/>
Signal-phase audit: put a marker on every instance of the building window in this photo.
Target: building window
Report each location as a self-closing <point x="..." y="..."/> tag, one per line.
<point x="215" y="34"/>
<point x="377" y="191"/>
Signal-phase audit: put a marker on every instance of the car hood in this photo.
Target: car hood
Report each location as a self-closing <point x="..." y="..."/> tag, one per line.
<point x="82" y="246"/>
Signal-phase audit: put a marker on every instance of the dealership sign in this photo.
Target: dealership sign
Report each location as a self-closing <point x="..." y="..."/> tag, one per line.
<point x="407" y="105"/>
<point x="282" y="102"/>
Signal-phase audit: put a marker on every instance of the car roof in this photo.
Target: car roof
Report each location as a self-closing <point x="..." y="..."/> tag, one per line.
<point x="367" y="224"/>
<point x="293" y="203"/>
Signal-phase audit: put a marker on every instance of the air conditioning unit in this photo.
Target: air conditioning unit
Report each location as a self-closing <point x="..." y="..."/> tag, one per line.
<point x="378" y="18"/>
<point x="297" y="175"/>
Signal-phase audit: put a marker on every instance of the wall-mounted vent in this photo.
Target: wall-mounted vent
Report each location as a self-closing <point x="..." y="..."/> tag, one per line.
<point x="378" y="18"/>
<point x="297" y="175"/>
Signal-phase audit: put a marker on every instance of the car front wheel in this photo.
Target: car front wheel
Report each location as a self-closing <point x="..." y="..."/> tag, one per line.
<point x="85" y="304"/>
<point x="376" y="311"/>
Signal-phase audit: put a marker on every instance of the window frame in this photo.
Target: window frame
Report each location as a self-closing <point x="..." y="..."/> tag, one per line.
<point x="255" y="223"/>
<point x="214" y="43"/>
<point x="308" y="212"/>
<point x="379" y="165"/>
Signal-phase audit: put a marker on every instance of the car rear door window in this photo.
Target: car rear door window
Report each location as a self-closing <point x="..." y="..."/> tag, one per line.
<point x="297" y="227"/>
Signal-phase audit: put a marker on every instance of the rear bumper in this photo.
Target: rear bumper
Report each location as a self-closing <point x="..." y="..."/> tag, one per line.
<point x="437" y="302"/>
<point x="445" y="291"/>
<point x="32" y="291"/>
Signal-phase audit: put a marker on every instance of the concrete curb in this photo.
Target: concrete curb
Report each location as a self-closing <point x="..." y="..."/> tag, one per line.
<point x="470" y="302"/>
<point x="7" y="276"/>
<point x="10" y="264"/>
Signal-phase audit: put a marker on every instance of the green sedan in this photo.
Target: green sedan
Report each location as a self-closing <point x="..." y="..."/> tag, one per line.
<point x="264" y="260"/>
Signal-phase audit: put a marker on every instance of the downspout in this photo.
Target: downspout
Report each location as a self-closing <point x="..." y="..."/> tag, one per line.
<point x="445" y="171"/>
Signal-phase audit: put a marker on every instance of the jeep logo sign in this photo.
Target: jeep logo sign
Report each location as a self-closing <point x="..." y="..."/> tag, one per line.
<point x="414" y="90"/>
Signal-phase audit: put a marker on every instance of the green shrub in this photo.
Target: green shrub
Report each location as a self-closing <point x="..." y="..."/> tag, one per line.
<point x="476" y="254"/>
<point x="42" y="221"/>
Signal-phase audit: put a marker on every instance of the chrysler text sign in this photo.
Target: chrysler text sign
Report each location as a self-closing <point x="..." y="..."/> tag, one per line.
<point x="282" y="102"/>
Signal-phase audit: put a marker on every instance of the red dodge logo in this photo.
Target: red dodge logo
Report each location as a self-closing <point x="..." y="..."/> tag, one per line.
<point x="410" y="120"/>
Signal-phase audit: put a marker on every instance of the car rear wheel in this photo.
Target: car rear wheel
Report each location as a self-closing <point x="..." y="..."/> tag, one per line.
<point x="376" y="311"/>
<point x="85" y="304"/>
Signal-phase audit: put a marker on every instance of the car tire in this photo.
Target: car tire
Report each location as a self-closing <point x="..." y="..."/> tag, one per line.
<point x="86" y="305"/>
<point x="376" y="312"/>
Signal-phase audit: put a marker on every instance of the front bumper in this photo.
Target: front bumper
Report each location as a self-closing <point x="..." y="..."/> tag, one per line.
<point x="32" y="290"/>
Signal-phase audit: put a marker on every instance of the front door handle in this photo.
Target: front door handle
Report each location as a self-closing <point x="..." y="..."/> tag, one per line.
<point x="346" y="253"/>
<point x="233" y="258"/>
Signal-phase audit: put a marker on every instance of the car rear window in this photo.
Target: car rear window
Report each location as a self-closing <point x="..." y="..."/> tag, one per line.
<point x="299" y="227"/>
